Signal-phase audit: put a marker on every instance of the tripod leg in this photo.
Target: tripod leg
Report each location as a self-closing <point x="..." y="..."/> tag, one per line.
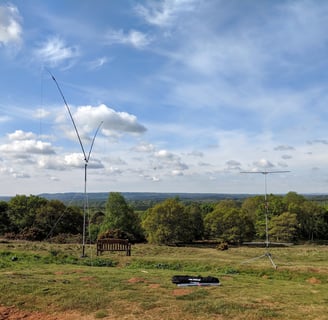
<point x="250" y="260"/>
<point x="271" y="260"/>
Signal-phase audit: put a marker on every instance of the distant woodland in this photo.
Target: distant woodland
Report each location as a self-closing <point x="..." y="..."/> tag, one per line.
<point x="166" y="218"/>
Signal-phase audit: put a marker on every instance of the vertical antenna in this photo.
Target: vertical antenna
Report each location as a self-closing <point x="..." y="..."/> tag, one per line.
<point x="267" y="254"/>
<point x="86" y="161"/>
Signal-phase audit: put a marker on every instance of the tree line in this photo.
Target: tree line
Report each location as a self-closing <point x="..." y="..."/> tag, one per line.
<point x="291" y="218"/>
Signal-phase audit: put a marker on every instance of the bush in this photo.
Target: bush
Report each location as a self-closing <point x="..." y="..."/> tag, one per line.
<point x="29" y="234"/>
<point x="116" y="234"/>
<point x="10" y="236"/>
<point x="66" y="238"/>
<point x="222" y="246"/>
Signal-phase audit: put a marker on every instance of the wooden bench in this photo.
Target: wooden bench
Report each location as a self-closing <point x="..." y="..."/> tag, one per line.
<point x="113" y="245"/>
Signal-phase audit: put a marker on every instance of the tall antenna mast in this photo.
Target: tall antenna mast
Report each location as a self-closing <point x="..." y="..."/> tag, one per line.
<point x="86" y="161"/>
<point x="267" y="253"/>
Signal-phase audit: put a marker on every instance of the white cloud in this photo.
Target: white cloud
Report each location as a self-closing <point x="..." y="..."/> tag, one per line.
<point x="133" y="38"/>
<point x="263" y="164"/>
<point x="41" y="113"/>
<point x="76" y="160"/>
<point x="303" y="24"/>
<point x="4" y="119"/>
<point x="164" y="154"/>
<point x="114" y="171"/>
<point x="181" y="165"/>
<point x="10" y="25"/>
<point x="52" y="163"/>
<point x="233" y="165"/>
<point x="286" y="156"/>
<point x="164" y="13"/>
<point x="318" y="141"/>
<point x="98" y="63"/>
<point x="204" y="164"/>
<point x="282" y="164"/>
<point x="113" y="121"/>
<point x="21" y="135"/>
<point x="196" y="154"/>
<point x="23" y="147"/>
<point x="67" y="162"/>
<point x="177" y="173"/>
<point x="115" y="161"/>
<point x="14" y="173"/>
<point x="167" y="162"/>
<point x="284" y="148"/>
<point x="55" y="52"/>
<point x="144" y="147"/>
<point x="20" y="175"/>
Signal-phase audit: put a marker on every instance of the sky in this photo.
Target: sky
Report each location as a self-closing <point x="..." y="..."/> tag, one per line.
<point x="186" y="94"/>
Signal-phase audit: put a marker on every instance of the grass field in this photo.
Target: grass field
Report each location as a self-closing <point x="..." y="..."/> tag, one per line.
<point x="45" y="281"/>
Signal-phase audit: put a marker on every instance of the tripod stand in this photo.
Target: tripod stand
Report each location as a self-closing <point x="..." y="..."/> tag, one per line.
<point x="267" y="253"/>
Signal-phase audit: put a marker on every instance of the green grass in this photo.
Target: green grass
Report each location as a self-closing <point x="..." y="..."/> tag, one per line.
<point x="41" y="276"/>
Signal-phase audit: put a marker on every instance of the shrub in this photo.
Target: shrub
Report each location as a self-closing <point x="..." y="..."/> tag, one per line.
<point x="66" y="238"/>
<point x="116" y="234"/>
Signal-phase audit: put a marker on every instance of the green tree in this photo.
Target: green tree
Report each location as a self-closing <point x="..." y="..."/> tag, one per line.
<point x="223" y="205"/>
<point x="214" y="221"/>
<point x="293" y="198"/>
<point x="22" y="210"/>
<point x="254" y="209"/>
<point x="120" y="216"/>
<point x="4" y="218"/>
<point x="276" y="205"/>
<point x="294" y="203"/>
<point x="207" y="207"/>
<point x="194" y="212"/>
<point x="252" y="205"/>
<point x="229" y="223"/>
<point x="311" y="218"/>
<point x="283" y="227"/>
<point x="167" y="222"/>
<point x="273" y="206"/>
<point x="54" y="218"/>
<point x="96" y="220"/>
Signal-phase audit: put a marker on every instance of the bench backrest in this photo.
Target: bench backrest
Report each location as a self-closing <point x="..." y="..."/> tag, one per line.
<point x="111" y="244"/>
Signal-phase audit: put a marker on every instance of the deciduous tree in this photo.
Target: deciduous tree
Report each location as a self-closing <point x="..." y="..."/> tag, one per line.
<point x="283" y="227"/>
<point x="4" y="219"/>
<point x="119" y="216"/>
<point x="167" y="222"/>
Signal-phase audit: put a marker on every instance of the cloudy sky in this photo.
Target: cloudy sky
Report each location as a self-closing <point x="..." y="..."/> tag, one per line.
<point x="187" y="93"/>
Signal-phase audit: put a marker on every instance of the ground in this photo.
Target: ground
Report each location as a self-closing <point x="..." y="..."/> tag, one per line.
<point x="13" y="313"/>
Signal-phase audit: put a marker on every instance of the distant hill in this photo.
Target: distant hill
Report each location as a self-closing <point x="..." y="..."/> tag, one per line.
<point x="141" y="196"/>
<point x="3" y="198"/>
<point x="144" y="200"/>
<point x="138" y="200"/>
<point x="98" y="199"/>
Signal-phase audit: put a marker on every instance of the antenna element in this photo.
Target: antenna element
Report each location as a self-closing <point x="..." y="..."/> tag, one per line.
<point x="86" y="160"/>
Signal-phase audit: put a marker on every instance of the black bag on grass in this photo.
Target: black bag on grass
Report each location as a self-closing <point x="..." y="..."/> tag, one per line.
<point x="179" y="279"/>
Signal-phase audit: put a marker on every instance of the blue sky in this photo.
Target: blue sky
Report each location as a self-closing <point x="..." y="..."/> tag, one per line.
<point x="190" y="94"/>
